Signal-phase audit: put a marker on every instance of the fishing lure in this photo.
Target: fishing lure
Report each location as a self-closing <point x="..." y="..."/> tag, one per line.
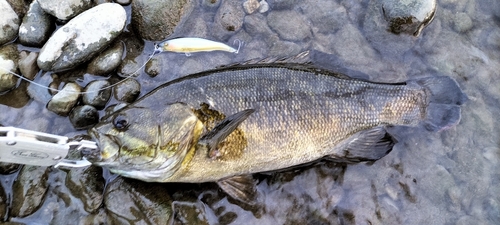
<point x="190" y="45"/>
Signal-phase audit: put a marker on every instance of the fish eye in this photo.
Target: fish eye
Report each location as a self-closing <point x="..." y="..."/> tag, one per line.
<point x="120" y="122"/>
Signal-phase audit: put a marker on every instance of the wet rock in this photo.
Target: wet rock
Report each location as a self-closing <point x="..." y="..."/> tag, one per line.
<point x="284" y="48"/>
<point x="27" y="64"/>
<point x="408" y="16"/>
<point x="124" y="2"/>
<point x="250" y="6"/>
<point x="147" y="203"/>
<point x="264" y="6"/>
<point x="40" y="94"/>
<point x="283" y="4"/>
<point x="64" y="100"/>
<point x="229" y="17"/>
<point x="328" y="16"/>
<point x="210" y="4"/>
<point x="65" y="10"/>
<point x="3" y="201"/>
<point x="153" y="67"/>
<point x="83" y="117"/>
<point x="462" y="22"/>
<point x="194" y="213"/>
<point x="8" y="62"/>
<point x="97" y="94"/>
<point x="88" y="185"/>
<point x="256" y="24"/>
<point x="9" y="22"/>
<point x="36" y="27"/>
<point x="29" y="190"/>
<point x="290" y="25"/>
<point x="156" y="20"/>
<point x="8" y="168"/>
<point x="107" y="61"/>
<point x="82" y="37"/>
<point x="127" y="91"/>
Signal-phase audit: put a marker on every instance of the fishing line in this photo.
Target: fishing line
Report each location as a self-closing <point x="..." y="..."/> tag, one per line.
<point x="57" y="90"/>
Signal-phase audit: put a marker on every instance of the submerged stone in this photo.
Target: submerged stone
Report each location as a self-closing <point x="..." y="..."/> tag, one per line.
<point x="127" y="91"/>
<point x="29" y="189"/>
<point x="408" y="16"/>
<point x="83" y="117"/>
<point x="8" y="65"/>
<point x="107" y="61"/>
<point x="97" y="93"/>
<point x="82" y="37"/>
<point x="155" y="20"/>
<point x="27" y="64"/>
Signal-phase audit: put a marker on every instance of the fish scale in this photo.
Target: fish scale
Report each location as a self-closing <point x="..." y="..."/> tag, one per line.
<point x="301" y="114"/>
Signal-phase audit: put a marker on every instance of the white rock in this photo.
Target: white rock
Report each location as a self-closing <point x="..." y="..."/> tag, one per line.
<point x="66" y="9"/>
<point x="9" y="22"/>
<point x="82" y="37"/>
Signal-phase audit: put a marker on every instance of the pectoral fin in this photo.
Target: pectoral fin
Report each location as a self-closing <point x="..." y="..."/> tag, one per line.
<point x="241" y="188"/>
<point x="222" y="130"/>
<point x="366" y="145"/>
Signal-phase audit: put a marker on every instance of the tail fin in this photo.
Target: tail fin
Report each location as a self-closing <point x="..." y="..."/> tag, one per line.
<point x="445" y="98"/>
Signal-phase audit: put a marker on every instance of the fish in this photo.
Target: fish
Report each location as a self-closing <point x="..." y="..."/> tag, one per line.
<point x="190" y="45"/>
<point x="224" y="125"/>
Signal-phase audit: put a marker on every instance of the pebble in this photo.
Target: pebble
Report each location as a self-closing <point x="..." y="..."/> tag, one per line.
<point x="82" y="37"/>
<point x="29" y="190"/>
<point x="290" y="25"/>
<point x="8" y="62"/>
<point x="250" y="6"/>
<point x="256" y="24"/>
<point x="462" y="22"/>
<point x="96" y="94"/>
<point x="264" y="6"/>
<point x="107" y="61"/>
<point x="9" y="22"/>
<point x="27" y="64"/>
<point x="127" y="91"/>
<point x="155" y="20"/>
<point x="65" y="10"/>
<point x="37" y="26"/>
<point x="409" y="16"/>
<point x="153" y="67"/>
<point x="62" y="102"/>
<point x="83" y="117"/>
<point x="146" y="203"/>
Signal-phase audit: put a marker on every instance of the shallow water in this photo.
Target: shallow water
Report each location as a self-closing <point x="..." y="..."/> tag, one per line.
<point x="448" y="177"/>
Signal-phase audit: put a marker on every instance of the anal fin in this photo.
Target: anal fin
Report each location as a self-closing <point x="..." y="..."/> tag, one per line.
<point x="241" y="188"/>
<point x="366" y="145"/>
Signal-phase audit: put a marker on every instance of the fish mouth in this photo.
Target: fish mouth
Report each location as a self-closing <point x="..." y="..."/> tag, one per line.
<point x="107" y="148"/>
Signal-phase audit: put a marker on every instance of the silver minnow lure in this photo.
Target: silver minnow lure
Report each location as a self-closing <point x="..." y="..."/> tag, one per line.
<point x="190" y="45"/>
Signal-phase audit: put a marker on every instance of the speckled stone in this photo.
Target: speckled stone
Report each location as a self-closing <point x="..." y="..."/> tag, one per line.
<point x="107" y="61"/>
<point x="36" y="27"/>
<point x="9" y="22"/>
<point x="65" y="10"/>
<point x="127" y="91"/>
<point x="64" y="100"/>
<point x="96" y="93"/>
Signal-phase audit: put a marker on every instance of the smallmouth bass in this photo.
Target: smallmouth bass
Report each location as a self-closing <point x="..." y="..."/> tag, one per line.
<point x="230" y="122"/>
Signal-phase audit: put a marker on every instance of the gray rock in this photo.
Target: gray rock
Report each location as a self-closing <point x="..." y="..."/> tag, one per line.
<point x="408" y="16"/>
<point x="462" y="22"/>
<point x="152" y="200"/>
<point x="29" y="189"/>
<point x="124" y="2"/>
<point x="127" y="91"/>
<point x="284" y="48"/>
<point x="9" y="22"/>
<point x="256" y="24"/>
<point x="229" y="19"/>
<point x="210" y="4"/>
<point x="65" y="10"/>
<point x="40" y="94"/>
<point x="107" y="61"/>
<point x="83" y="117"/>
<point x="36" y="27"/>
<point x="64" y="100"/>
<point x="27" y="64"/>
<point x="264" y="6"/>
<point x="87" y="184"/>
<point x="8" y="62"/>
<point x="82" y="37"/>
<point x="156" y="20"/>
<point x="97" y="94"/>
<point x="283" y="4"/>
<point x="290" y="25"/>
<point x="19" y="6"/>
